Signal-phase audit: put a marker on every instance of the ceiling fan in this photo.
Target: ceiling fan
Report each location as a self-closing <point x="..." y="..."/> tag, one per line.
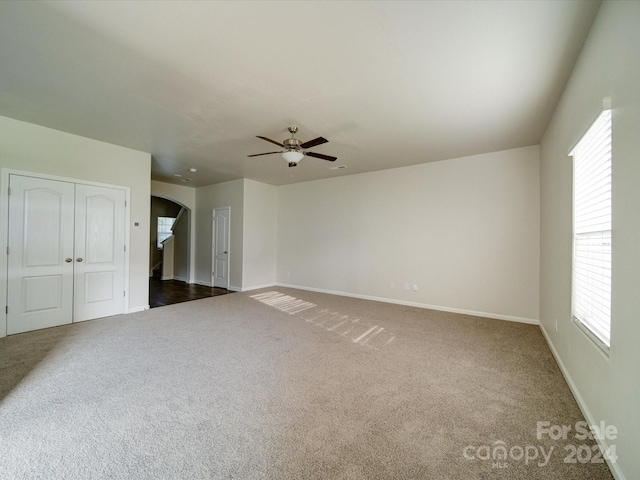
<point x="295" y="150"/>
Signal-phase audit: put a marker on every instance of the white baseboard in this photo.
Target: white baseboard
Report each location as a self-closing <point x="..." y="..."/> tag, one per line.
<point x="181" y="279"/>
<point x="209" y="284"/>
<point x="615" y="469"/>
<point x="495" y="316"/>
<point x="166" y="278"/>
<point x="138" y="309"/>
<point x="258" y="287"/>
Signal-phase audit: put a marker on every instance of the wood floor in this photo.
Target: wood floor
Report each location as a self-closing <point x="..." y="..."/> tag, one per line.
<point x="168" y="292"/>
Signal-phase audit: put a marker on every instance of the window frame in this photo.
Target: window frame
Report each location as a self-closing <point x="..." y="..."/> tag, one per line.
<point x="588" y="327"/>
<point x="159" y="245"/>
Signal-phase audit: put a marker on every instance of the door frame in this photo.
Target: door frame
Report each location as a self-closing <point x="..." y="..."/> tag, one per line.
<point x="4" y="222"/>
<point x="213" y="244"/>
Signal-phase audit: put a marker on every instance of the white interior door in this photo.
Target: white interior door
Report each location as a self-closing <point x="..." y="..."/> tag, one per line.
<point x="99" y="252"/>
<point x="221" y="236"/>
<point x="40" y="266"/>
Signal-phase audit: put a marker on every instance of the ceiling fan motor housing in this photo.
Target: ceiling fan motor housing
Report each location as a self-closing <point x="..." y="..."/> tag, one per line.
<point x="292" y="144"/>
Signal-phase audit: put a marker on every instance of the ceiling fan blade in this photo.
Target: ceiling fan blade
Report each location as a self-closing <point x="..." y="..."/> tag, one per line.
<point x="314" y="142"/>
<point x="258" y="154"/>
<point x="321" y="156"/>
<point x="272" y="141"/>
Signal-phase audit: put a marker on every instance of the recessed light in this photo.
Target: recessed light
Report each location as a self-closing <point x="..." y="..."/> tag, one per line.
<point x="193" y="170"/>
<point x="338" y="167"/>
<point x="177" y="175"/>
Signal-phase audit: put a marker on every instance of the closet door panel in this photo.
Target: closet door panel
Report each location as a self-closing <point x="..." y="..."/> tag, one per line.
<point x="99" y="252"/>
<point x="40" y="266"/>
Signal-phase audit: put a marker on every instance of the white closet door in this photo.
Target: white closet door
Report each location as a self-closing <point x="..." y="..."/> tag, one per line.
<point x="40" y="265"/>
<point x="99" y="252"/>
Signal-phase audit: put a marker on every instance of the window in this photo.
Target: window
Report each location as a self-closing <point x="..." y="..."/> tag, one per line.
<point x="591" y="286"/>
<point x="164" y="229"/>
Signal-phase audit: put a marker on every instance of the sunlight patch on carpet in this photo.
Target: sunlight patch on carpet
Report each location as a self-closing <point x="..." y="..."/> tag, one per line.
<point x="362" y="333"/>
<point x="284" y="303"/>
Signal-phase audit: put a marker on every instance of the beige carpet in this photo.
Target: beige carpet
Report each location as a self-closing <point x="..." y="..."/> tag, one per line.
<point x="310" y="386"/>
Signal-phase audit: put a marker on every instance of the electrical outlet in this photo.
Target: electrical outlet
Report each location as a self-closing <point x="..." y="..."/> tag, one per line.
<point x="392" y="285"/>
<point x="407" y="287"/>
<point x="415" y="287"/>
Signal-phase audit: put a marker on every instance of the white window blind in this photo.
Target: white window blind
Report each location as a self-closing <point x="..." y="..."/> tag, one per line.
<point x="592" y="230"/>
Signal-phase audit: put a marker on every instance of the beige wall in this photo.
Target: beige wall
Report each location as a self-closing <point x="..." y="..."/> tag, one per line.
<point x="260" y="223"/>
<point x="28" y="147"/>
<point x="227" y="194"/>
<point x="253" y="232"/>
<point x="186" y="196"/>
<point x="607" y="388"/>
<point x="465" y="231"/>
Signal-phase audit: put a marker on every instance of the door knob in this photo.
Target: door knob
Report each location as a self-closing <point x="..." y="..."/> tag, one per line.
<point x="79" y="259"/>
<point x="68" y="260"/>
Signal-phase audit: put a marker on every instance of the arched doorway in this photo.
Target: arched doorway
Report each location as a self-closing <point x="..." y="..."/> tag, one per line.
<point x="170" y="223"/>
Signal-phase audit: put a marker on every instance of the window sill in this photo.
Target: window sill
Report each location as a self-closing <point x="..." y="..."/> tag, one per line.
<point x="591" y="336"/>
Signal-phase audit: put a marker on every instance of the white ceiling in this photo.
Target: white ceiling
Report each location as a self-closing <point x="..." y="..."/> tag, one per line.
<point x="387" y="83"/>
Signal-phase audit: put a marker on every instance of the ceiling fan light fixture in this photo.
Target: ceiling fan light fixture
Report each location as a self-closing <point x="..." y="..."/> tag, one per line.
<point x="294" y="150"/>
<point x="292" y="156"/>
